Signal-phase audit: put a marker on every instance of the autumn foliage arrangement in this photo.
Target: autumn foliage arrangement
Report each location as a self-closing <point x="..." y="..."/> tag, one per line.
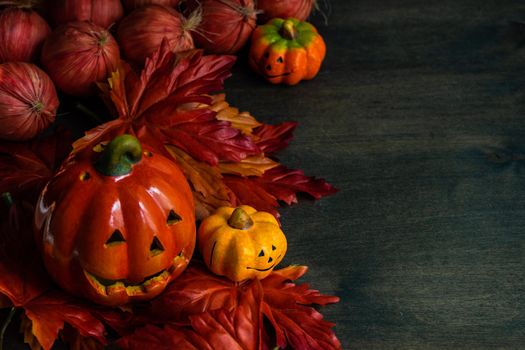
<point x="111" y="218"/>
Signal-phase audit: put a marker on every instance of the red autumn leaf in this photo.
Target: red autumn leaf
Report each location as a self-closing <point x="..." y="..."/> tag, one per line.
<point x="168" y="77"/>
<point x="27" y="329"/>
<point x="288" y="308"/>
<point x="251" y="166"/>
<point x="103" y="132"/>
<point x="206" y="183"/>
<point x="213" y="307"/>
<point x="243" y="121"/>
<point x="237" y="328"/>
<point x="301" y="329"/>
<point x="22" y="276"/>
<point x="284" y="183"/>
<point x="166" y="338"/>
<point x="248" y="192"/>
<point x="25" y="283"/>
<point x="159" y="106"/>
<point x="279" y="283"/>
<point x="243" y="324"/>
<point x="279" y="183"/>
<point x="121" y="321"/>
<point x="49" y="312"/>
<point x="273" y="138"/>
<point x="197" y="290"/>
<point x="77" y="341"/>
<point x="200" y="134"/>
<point x="174" y="337"/>
<point x="25" y="167"/>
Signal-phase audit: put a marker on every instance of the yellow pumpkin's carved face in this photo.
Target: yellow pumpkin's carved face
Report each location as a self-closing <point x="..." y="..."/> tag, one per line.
<point x="241" y="243"/>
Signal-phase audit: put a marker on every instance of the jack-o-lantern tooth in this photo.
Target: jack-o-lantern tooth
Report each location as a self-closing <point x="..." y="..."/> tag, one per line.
<point x="116" y="288"/>
<point x="156" y="282"/>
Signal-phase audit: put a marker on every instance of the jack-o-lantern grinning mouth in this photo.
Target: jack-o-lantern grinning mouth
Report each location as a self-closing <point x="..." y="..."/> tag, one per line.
<point x="263" y="270"/>
<point x="260" y="270"/>
<point x="248" y="267"/>
<point x="106" y="287"/>
<point x="277" y="76"/>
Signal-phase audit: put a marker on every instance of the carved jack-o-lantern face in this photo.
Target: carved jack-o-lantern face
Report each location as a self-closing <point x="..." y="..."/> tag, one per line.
<point x="241" y="243"/>
<point x="116" y="226"/>
<point x="278" y="65"/>
<point x="286" y="51"/>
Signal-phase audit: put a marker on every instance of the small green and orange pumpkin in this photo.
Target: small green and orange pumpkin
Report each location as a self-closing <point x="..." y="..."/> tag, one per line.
<point x="241" y="243"/>
<point x="286" y="51"/>
<point x="117" y="223"/>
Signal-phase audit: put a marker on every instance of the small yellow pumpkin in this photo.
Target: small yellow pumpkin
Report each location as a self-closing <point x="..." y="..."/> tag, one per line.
<point x="241" y="243"/>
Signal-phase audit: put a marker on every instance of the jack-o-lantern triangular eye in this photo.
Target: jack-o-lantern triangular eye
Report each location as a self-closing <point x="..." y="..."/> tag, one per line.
<point x="115" y="238"/>
<point x="173" y="218"/>
<point x="156" y="247"/>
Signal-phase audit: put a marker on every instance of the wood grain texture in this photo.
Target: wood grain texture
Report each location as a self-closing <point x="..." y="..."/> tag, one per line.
<point x="418" y="117"/>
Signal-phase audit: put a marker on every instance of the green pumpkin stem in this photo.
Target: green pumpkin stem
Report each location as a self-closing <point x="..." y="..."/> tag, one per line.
<point x="240" y="219"/>
<point x="288" y="30"/>
<point x="119" y="156"/>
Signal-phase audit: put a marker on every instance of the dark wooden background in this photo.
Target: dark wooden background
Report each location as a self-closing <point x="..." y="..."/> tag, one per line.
<point x="418" y="118"/>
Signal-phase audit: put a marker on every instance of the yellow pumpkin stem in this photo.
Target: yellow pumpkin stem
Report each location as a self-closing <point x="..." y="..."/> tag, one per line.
<point x="240" y="219"/>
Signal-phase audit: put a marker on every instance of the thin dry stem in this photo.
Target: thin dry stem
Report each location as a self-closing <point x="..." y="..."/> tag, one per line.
<point x="194" y="19"/>
<point x="243" y="10"/>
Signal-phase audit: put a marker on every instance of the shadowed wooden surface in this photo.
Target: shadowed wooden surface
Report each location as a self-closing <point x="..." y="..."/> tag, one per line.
<point x="418" y="118"/>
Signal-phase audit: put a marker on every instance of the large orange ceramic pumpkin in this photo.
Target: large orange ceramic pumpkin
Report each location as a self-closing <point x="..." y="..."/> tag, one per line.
<point x="116" y="226"/>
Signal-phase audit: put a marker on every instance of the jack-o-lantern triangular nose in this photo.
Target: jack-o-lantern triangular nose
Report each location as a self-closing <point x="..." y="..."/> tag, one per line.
<point x="156" y="247"/>
<point x="115" y="238"/>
